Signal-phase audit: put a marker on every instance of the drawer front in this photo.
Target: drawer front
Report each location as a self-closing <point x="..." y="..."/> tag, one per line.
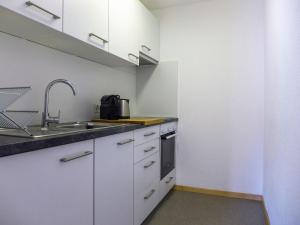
<point x="146" y="173"/>
<point x="168" y="127"/>
<point x="146" y="134"/>
<point x="167" y="184"/>
<point x="145" y="202"/>
<point x="144" y="150"/>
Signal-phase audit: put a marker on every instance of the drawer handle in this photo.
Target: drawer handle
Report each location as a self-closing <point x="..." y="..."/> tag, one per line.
<point x="149" y="165"/>
<point x="149" y="149"/>
<point x="133" y="55"/>
<point x="100" y="38"/>
<point x="146" y="47"/>
<point x="125" y="142"/>
<point x="29" y="3"/>
<point x="149" y="134"/>
<point x="170" y="179"/>
<point x="76" y="156"/>
<point x="150" y="194"/>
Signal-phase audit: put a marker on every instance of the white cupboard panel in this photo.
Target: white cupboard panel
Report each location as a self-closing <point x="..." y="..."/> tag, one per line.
<point x="124" y="39"/>
<point x="43" y="11"/>
<point x="38" y="188"/>
<point x="114" y="180"/>
<point x="87" y="21"/>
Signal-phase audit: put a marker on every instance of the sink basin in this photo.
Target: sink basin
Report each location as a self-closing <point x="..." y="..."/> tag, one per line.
<point x="57" y="129"/>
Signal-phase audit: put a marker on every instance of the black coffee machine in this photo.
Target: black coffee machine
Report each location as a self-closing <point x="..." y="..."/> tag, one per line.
<point x="113" y="108"/>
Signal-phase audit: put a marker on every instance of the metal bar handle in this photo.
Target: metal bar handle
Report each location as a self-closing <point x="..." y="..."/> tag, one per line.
<point x="96" y="36"/>
<point x="149" y="165"/>
<point x="146" y="47"/>
<point x="77" y="156"/>
<point x="150" y="194"/>
<point x="149" y="134"/>
<point x="170" y="136"/>
<point x="150" y="149"/>
<point x="130" y="54"/>
<point x="125" y="142"/>
<point x="29" y="3"/>
<point x="170" y="179"/>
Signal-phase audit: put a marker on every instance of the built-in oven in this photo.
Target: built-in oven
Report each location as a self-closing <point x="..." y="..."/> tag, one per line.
<point x="167" y="153"/>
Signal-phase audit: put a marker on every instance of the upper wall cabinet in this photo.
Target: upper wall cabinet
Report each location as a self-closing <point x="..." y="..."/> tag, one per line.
<point x="43" y="11"/>
<point x="149" y="33"/>
<point x="124" y="29"/>
<point x="87" y="21"/>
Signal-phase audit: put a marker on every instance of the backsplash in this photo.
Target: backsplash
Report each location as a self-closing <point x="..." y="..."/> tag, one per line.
<point x="24" y="63"/>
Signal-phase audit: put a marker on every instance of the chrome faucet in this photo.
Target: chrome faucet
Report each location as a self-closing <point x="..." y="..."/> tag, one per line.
<point x="46" y="118"/>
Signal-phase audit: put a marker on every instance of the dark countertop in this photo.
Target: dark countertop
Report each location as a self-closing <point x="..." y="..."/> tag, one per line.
<point x="16" y="145"/>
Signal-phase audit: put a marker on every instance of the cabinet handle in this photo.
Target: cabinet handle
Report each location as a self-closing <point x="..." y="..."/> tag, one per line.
<point x="76" y="156"/>
<point x="29" y="3"/>
<point x="149" y="149"/>
<point x="146" y="47"/>
<point x="130" y="54"/>
<point x="125" y="142"/>
<point x="149" y="134"/>
<point x="170" y="179"/>
<point x="150" y="194"/>
<point x="149" y="165"/>
<point x="170" y="136"/>
<point x="100" y="38"/>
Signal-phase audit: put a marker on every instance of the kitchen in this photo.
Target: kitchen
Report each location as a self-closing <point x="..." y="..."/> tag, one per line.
<point x="222" y="75"/>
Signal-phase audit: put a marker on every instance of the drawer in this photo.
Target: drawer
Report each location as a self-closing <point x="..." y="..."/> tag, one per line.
<point x="146" y="134"/>
<point x="145" y="202"/>
<point x="146" y="173"/>
<point x="166" y="184"/>
<point x="168" y="127"/>
<point x="144" y="150"/>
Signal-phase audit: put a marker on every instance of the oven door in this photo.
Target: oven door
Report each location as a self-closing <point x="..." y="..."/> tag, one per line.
<point x="167" y="154"/>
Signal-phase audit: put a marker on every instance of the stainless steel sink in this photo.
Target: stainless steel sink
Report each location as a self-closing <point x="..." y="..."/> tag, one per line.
<point x="58" y="129"/>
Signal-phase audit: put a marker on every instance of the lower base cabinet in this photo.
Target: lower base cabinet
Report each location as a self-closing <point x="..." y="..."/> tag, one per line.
<point x="146" y="187"/>
<point x="47" y="187"/>
<point x="114" y="180"/>
<point x="166" y="184"/>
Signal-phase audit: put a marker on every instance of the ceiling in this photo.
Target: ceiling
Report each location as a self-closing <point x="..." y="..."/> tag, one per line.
<point x="158" y="4"/>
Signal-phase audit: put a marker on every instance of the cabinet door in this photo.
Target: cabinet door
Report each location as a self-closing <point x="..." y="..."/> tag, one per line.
<point x="43" y="11"/>
<point x="124" y="29"/>
<point x="87" y="21"/>
<point x="38" y="188"/>
<point x="114" y="180"/>
<point x="149" y="33"/>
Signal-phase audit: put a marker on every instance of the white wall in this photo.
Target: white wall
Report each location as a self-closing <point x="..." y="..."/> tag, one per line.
<point x="220" y="49"/>
<point x="282" y="123"/>
<point x="27" y="64"/>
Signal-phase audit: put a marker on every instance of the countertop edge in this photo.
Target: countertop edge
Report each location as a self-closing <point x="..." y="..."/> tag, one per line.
<point x="24" y="145"/>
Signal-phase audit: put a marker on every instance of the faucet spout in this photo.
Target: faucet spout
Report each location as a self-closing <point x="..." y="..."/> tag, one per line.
<point x="46" y="118"/>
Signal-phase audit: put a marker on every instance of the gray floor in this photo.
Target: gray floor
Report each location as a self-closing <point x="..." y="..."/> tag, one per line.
<point x="184" y="208"/>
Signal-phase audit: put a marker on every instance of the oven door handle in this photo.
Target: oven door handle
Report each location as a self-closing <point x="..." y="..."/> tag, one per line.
<point x="169" y="137"/>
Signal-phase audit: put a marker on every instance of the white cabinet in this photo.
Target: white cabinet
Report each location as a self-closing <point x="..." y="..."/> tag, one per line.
<point x="146" y="134"/>
<point x="166" y="184"/>
<point x="114" y="180"/>
<point x="51" y="186"/>
<point x="149" y="32"/>
<point x="144" y="150"/>
<point x="124" y="34"/>
<point x="146" y="187"/>
<point x="87" y="21"/>
<point x="43" y="11"/>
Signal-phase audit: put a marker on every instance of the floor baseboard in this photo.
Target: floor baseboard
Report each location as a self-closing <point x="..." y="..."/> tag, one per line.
<point x="219" y="193"/>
